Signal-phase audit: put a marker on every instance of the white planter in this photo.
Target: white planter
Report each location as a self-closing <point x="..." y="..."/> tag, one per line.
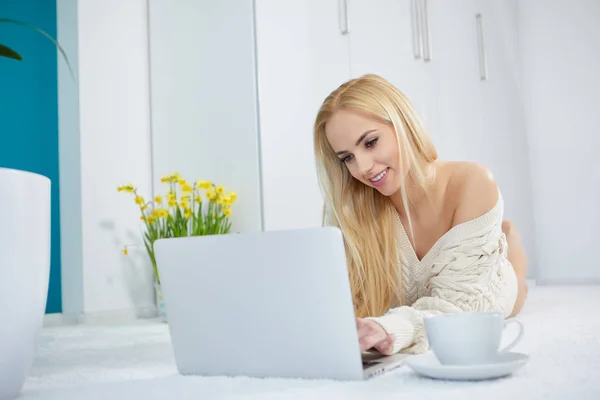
<point x="24" y="272"/>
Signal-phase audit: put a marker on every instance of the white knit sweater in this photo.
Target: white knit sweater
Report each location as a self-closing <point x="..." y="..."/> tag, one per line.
<point x="465" y="270"/>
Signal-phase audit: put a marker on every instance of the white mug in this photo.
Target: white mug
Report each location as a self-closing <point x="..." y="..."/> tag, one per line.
<point x="467" y="338"/>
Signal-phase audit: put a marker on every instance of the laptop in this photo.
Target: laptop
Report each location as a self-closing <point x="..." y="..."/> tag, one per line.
<point x="264" y="304"/>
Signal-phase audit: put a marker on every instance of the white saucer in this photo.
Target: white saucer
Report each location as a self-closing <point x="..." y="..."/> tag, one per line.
<point x="428" y="365"/>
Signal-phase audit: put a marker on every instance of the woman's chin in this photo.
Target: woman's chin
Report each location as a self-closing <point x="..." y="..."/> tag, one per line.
<point x="387" y="188"/>
<point x="386" y="191"/>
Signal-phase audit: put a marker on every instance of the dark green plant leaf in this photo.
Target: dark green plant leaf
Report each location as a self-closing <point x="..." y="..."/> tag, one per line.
<point x="9" y="53"/>
<point x="35" y="28"/>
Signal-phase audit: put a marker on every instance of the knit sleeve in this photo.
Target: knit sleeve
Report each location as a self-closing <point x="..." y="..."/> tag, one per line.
<point x="471" y="273"/>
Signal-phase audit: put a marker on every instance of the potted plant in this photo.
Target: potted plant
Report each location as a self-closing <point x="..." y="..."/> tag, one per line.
<point x="24" y="258"/>
<point x="187" y="209"/>
<point x="8" y="52"/>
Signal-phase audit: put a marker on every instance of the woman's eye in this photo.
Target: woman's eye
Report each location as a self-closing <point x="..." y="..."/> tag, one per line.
<point x="371" y="142"/>
<point x="346" y="159"/>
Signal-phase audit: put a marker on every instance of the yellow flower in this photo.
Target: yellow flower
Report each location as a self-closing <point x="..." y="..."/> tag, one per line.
<point x="171" y="178"/>
<point x="171" y="195"/>
<point x="183" y="182"/>
<point x="158" y="199"/>
<point x="220" y="189"/>
<point x="172" y="203"/>
<point x="144" y="207"/>
<point x="139" y="200"/>
<point x="210" y="194"/>
<point x="161" y="213"/>
<point x="203" y="184"/>
<point x="126" y="188"/>
<point x="143" y="218"/>
<point x="125" y="251"/>
<point x="186" y="188"/>
<point x="227" y="212"/>
<point x="233" y="196"/>
<point x="188" y="213"/>
<point x="184" y="204"/>
<point x="151" y="218"/>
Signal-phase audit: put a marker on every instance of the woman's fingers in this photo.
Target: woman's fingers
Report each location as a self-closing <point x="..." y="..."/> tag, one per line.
<point x="370" y="340"/>
<point x="385" y="346"/>
<point x="372" y="335"/>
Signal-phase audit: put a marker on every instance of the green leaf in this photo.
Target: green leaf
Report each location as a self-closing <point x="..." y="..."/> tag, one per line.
<point x="35" y="28"/>
<point x="9" y="53"/>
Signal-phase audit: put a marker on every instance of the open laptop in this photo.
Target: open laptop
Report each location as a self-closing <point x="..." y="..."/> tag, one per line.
<point x="265" y="304"/>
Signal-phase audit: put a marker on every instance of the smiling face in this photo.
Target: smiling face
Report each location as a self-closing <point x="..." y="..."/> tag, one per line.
<point x="369" y="149"/>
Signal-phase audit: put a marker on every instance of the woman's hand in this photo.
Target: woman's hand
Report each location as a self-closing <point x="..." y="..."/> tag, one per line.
<point x="372" y="335"/>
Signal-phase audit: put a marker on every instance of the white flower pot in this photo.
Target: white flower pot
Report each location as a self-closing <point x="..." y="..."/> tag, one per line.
<point x="24" y="271"/>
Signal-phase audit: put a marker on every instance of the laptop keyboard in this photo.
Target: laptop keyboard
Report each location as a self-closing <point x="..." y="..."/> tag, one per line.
<point x="367" y="364"/>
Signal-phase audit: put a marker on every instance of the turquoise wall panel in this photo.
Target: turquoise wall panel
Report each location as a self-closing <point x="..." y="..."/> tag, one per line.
<point x="29" y="110"/>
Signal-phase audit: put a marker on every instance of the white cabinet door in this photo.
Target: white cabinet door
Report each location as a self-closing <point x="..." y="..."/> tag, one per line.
<point x="469" y="101"/>
<point x="203" y="93"/>
<point x="428" y="50"/>
<point x="505" y="149"/>
<point x="381" y="42"/>
<point x="302" y="55"/>
<point x="476" y="74"/>
<point x="454" y="87"/>
<point x="560" y="42"/>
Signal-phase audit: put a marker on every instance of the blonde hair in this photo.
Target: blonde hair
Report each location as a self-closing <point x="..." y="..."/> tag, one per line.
<point x="367" y="218"/>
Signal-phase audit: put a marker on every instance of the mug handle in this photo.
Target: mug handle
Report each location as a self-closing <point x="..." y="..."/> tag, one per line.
<point x="519" y="335"/>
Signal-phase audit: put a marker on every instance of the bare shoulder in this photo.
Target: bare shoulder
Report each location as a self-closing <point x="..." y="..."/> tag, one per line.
<point x="472" y="190"/>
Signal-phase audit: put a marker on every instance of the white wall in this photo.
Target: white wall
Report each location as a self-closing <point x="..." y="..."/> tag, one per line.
<point x="561" y="64"/>
<point x="104" y="142"/>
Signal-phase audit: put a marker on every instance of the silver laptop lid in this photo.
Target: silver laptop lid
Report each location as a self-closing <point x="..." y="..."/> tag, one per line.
<point x="260" y="304"/>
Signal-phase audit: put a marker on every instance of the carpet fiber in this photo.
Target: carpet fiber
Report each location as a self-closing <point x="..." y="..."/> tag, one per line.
<point x="562" y="338"/>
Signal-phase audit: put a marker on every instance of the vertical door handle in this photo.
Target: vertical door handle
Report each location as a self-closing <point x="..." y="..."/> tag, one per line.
<point x="416" y="28"/>
<point x="481" y="48"/>
<point x="343" y="16"/>
<point x="425" y="31"/>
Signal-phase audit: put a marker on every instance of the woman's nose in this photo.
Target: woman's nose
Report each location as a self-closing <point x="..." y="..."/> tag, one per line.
<point x="365" y="165"/>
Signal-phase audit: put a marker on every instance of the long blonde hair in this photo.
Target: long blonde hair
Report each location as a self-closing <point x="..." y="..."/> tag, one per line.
<point x="367" y="218"/>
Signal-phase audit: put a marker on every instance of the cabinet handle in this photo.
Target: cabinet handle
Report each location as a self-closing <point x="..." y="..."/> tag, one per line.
<point x="481" y="48"/>
<point x="425" y="31"/>
<point x="343" y="16"/>
<point x="416" y="29"/>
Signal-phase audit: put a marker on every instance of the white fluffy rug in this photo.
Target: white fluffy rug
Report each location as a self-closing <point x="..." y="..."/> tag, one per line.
<point x="562" y="337"/>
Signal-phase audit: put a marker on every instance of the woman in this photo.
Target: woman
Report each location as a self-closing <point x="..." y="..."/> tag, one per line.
<point x="422" y="236"/>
